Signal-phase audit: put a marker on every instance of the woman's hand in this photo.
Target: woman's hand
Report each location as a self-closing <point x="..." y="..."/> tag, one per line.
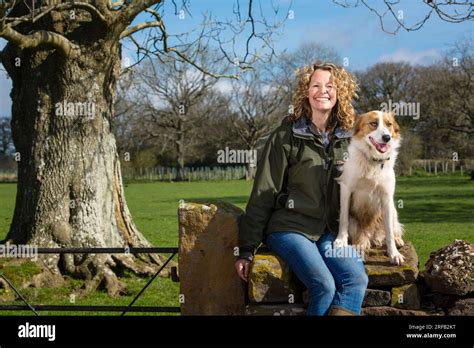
<point x="242" y="266"/>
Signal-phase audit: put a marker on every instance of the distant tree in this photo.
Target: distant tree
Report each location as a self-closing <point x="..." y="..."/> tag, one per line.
<point x="169" y="94"/>
<point x="6" y="140"/>
<point x="256" y="103"/>
<point x="444" y="91"/>
<point x="384" y="82"/>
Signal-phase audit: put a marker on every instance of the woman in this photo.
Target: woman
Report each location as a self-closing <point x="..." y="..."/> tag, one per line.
<point x="294" y="205"/>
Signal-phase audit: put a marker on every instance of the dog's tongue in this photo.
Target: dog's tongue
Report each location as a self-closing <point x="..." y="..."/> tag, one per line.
<point x="380" y="147"/>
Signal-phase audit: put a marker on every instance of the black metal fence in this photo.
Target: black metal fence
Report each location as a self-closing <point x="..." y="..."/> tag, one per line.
<point x="80" y="308"/>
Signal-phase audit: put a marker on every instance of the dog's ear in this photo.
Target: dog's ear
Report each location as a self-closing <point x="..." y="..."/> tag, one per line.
<point x="396" y="126"/>
<point x="357" y="123"/>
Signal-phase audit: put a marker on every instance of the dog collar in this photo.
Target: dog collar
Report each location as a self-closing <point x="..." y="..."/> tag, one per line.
<point x="381" y="161"/>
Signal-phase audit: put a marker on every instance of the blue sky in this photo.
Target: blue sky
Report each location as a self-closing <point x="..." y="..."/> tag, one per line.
<point x="354" y="33"/>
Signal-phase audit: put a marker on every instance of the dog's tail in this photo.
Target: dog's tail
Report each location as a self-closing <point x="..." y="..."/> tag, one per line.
<point x="398" y="233"/>
<point x="399" y="230"/>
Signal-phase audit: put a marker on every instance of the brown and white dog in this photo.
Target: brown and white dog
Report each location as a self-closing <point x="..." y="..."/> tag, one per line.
<point x="368" y="215"/>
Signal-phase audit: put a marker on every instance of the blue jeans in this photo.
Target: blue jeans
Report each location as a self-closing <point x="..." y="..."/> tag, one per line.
<point x="333" y="277"/>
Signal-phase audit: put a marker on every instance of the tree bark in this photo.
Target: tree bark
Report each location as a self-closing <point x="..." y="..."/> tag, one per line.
<point x="70" y="191"/>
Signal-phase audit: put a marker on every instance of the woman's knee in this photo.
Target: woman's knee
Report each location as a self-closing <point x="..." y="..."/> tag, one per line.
<point x="360" y="280"/>
<point x="322" y="285"/>
<point x="354" y="278"/>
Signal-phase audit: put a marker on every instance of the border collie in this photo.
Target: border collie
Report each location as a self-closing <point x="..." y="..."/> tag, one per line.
<point x="368" y="216"/>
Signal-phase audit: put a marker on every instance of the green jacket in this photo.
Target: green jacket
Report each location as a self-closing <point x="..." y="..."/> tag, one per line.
<point x="294" y="187"/>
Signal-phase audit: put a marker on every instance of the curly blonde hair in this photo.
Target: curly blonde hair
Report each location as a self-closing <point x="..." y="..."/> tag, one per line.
<point x="346" y="87"/>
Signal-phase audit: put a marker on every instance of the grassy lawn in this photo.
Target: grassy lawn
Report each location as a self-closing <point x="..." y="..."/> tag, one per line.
<point x="436" y="210"/>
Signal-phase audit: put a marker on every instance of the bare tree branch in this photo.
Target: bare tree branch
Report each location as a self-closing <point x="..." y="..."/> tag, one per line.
<point x="440" y="7"/>
<point x="133" y="8"/>
<point x="212" y="30"/>
<point x="43" y="37"/>
<point x="166" y="49"/>
<point x="118" y="16"/>
<point x="115" y="5"/>
<point x="42" y="11"/>
<point x="138" y="27"/>
<point x="38" y="38"/>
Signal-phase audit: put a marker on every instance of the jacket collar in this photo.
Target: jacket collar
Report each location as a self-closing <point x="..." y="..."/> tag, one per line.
<point x="302" y="128"/>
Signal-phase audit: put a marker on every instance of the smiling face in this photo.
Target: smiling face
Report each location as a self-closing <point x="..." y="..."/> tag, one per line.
<point x="322" y="93"/>
<point x="379" y="131"/>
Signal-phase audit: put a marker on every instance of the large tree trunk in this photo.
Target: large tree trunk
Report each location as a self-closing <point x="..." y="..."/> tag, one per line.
<point x="70" y="189"/>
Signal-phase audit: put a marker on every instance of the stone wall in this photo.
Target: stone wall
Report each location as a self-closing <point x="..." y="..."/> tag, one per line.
<point x="392" y="289"/>
<point x="208" y="238"/>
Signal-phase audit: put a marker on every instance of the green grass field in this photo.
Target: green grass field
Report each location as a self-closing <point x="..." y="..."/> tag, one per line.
<point x="436" y="210"/>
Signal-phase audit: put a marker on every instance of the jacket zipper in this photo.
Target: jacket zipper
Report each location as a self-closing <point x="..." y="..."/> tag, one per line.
<point x="326" y="171"/>
<point x="328" y="176"/>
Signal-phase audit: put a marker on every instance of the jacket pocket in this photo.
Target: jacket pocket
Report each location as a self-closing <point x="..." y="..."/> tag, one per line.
<point x="306" y="204"/>
<point x="280" y="201"/>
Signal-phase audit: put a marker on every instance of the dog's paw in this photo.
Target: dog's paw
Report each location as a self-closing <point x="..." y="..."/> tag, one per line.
<point x="399" y="242"/>
<point x="396" y="258"/>
<point x="364" y="244"/>
<point x="340" y="242"/>
<point x="377" y="242"/>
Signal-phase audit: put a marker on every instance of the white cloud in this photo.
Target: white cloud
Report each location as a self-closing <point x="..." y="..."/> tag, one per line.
<point x="224" y="86"/>
<point x="411" y="57"/>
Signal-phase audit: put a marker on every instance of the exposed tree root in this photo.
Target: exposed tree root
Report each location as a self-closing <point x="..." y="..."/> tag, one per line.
<point x="46" y="279"/>
<point x="127" y="261"/>
<point x="99" y="271"/>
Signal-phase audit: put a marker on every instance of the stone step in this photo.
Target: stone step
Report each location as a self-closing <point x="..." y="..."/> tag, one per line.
<point x="271" y="280"/>
<point x="406" y="297"/>
<point x="275" y="309"/>
<point x="382" y="273"/>
<point x="374" y="298"/>
<point x="386" y="310"/>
